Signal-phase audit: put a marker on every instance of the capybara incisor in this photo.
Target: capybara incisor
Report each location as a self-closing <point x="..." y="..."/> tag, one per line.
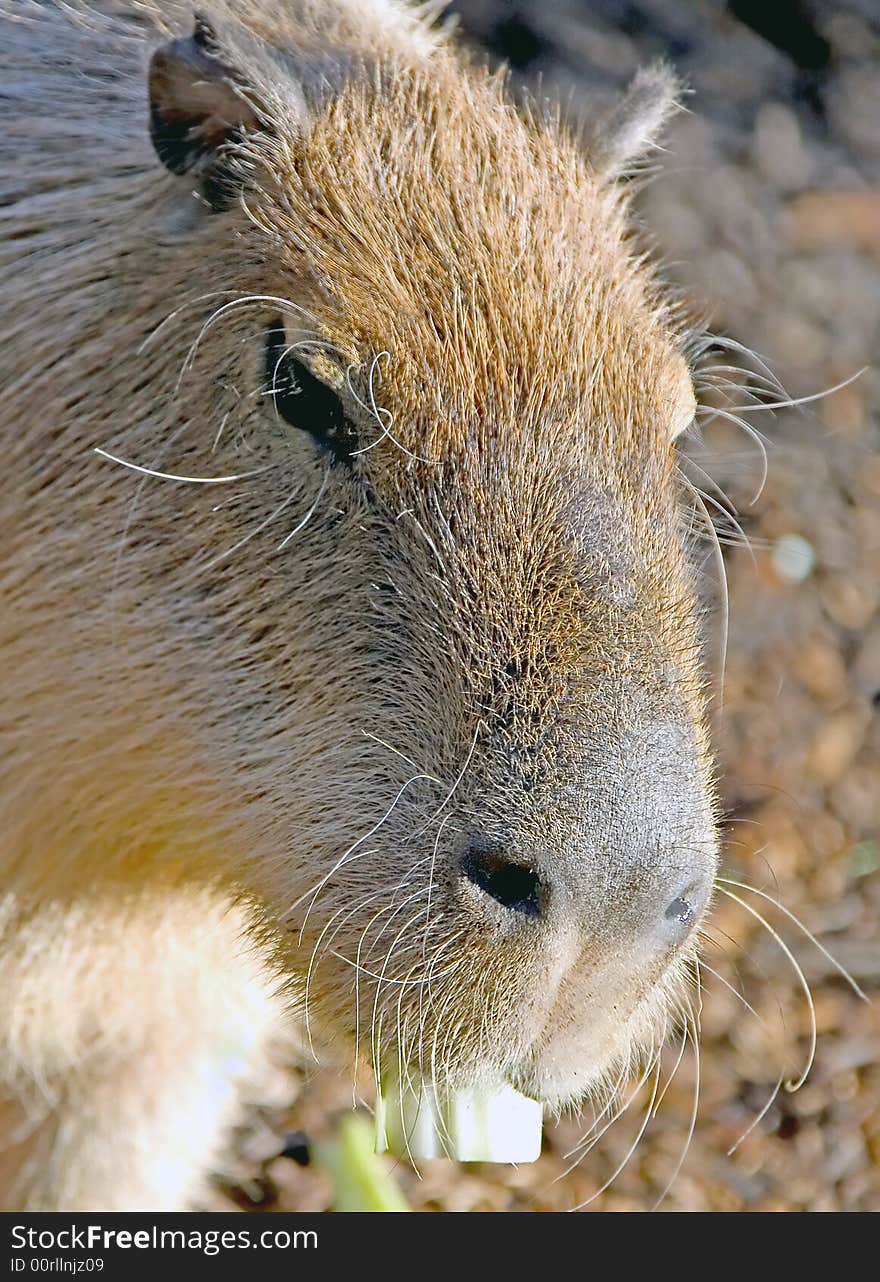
<point x="351" y="659"/>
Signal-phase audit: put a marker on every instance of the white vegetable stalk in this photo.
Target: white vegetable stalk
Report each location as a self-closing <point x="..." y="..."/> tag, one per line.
<point x="495" y="1125"/>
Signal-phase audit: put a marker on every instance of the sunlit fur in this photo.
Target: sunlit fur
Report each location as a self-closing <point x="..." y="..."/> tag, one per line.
<point x="249" y="725"/>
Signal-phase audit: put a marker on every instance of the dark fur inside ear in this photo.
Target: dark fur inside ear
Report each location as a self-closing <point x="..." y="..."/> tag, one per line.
<point x="198" y="104"/>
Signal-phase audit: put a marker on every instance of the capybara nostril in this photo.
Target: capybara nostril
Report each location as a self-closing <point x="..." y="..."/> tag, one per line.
<point x="681" y="910"/>
<point x="513" y="885"/>
<point x="688" y="905"/>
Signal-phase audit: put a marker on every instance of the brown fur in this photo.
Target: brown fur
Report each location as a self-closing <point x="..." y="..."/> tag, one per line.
<point x="250" y="727"/>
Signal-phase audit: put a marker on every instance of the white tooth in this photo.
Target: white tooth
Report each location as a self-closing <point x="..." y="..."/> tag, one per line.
<point x="488" y="1125"/>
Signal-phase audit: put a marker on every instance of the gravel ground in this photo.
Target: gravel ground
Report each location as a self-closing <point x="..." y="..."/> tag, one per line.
<point x="767" y="211"/>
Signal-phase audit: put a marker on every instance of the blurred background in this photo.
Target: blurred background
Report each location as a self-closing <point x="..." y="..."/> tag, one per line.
<point x="765" y="210"/>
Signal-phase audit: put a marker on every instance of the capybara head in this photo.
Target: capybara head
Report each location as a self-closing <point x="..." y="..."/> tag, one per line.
<point x="445" y="600"/>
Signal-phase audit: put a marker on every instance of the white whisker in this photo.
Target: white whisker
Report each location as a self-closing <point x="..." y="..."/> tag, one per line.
<point x="790" y="1085"/>
<point x="841" y="970"/>
<point x="759" y="1117"/>
<point x="692" y="1124"/>
<point x="187" y="480"/>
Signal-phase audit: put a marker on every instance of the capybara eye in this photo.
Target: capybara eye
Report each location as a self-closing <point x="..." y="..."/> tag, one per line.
<point x="304" y="401"/>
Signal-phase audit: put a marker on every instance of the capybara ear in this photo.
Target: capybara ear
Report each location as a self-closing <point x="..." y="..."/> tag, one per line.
<point x="198" y="103"/>
<point x="632" y="127"/>
<point x="683" y="401"/>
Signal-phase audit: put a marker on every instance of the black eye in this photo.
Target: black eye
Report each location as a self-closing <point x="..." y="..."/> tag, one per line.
<point x="304" y="401"/>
